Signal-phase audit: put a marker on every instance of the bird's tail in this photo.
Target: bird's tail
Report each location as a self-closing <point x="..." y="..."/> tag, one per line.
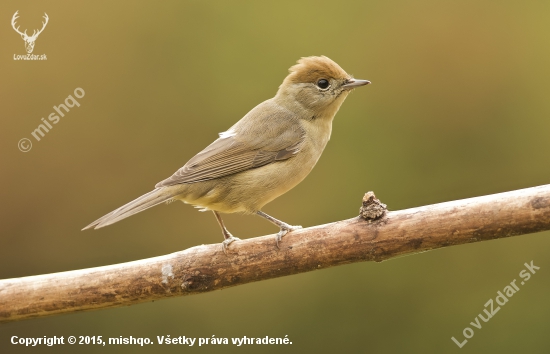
<point x="146" y="201"/>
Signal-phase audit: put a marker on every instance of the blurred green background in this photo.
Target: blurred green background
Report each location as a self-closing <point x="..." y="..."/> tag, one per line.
<point x="459" y="107"/>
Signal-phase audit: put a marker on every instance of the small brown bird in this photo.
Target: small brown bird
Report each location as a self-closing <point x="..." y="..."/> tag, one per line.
<point x="264" y="155"/>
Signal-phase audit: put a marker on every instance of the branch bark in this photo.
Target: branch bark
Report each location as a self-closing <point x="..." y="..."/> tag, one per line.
<point x="206" y="268"/>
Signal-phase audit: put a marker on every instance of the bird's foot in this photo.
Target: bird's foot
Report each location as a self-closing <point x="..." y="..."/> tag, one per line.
<point x="284" y="230"/>
<point x="230" y="238"/>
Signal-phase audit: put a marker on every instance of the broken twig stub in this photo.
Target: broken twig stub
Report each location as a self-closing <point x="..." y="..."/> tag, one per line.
<point x="372" y="209"/>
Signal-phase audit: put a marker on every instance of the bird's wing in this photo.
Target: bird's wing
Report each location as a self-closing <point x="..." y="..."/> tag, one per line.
<point x="243" y="147"/>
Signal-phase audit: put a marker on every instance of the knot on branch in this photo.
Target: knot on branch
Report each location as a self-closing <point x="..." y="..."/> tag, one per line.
<point x="372" y="209"/>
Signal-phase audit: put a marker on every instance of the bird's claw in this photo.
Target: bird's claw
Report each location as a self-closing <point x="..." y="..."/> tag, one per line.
<point x="227" y="241"/>
<point x="284" y="231"/>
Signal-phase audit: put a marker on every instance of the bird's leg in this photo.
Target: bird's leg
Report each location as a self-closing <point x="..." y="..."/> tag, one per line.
<point x="283" y="225"/>
<point x="228" y="238"/>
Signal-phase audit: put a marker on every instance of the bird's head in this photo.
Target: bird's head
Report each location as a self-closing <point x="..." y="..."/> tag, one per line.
<point x="317" y="84"/>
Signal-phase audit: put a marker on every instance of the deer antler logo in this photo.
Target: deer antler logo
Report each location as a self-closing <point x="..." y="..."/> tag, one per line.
<point x="29" y="41"/>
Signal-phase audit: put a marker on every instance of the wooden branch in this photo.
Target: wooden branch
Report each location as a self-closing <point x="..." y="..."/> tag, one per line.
<point x="206" y="268"/>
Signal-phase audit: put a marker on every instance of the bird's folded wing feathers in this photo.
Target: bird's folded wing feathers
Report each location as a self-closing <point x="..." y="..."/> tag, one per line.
<point x="241" y="151"/>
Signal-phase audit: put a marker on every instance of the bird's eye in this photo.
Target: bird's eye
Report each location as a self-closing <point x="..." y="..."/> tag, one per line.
<point x="323" y="84"/>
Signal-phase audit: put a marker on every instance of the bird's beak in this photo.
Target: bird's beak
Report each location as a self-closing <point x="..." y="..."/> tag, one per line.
<point x="353" y="83"/>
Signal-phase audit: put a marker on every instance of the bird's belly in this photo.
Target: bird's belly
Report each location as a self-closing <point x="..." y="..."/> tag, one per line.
<point x="250" y="190"/>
